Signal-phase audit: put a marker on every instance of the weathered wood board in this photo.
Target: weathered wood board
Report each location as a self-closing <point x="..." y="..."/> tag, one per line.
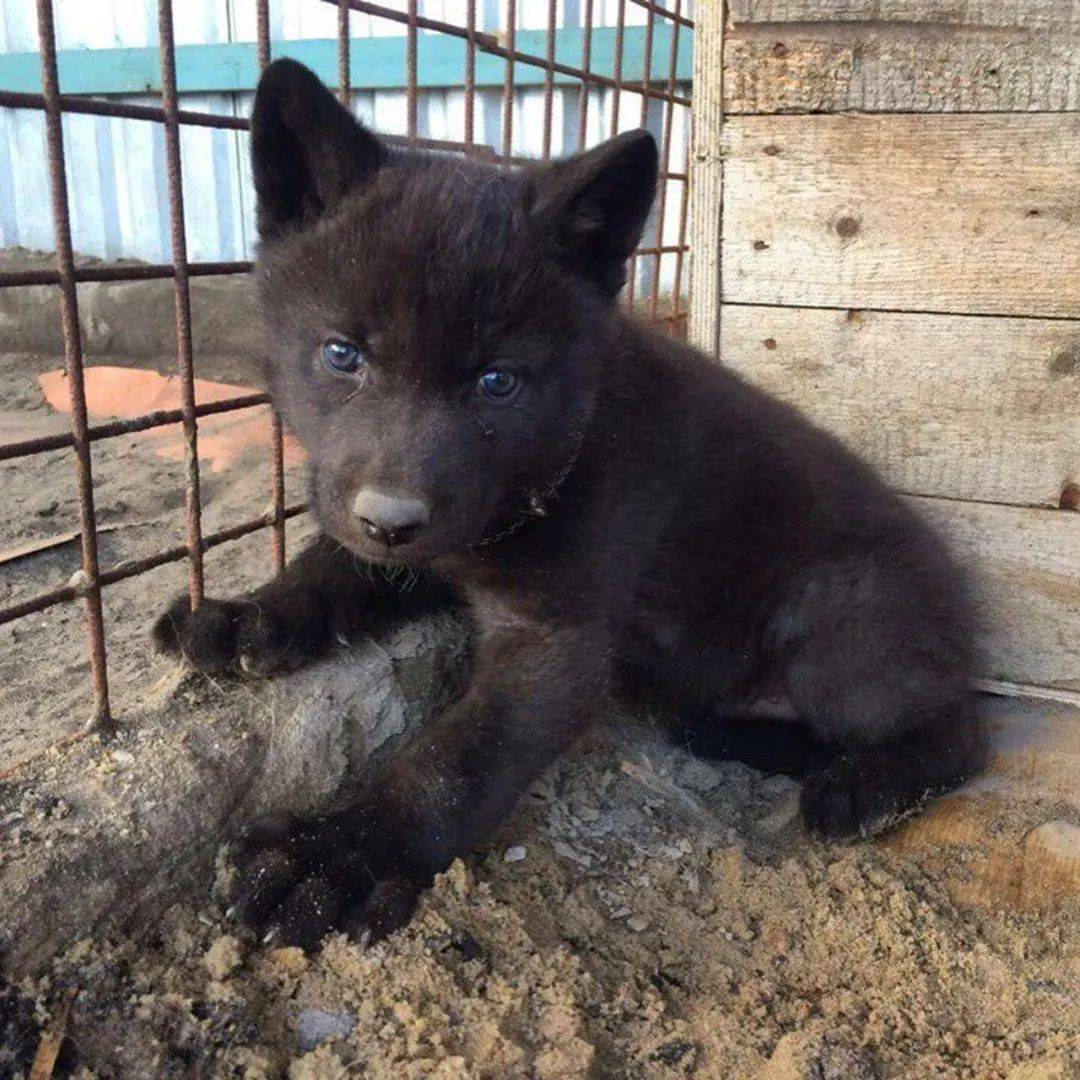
<point x="969" y="213"/>
<point x="892" y="66"/>
<point x="982" y="408"/>
<point x="912" y="395"/>
<point x="706" y="193"/>
<point x="970" y="13"/>
<point x="1026" y="564"/>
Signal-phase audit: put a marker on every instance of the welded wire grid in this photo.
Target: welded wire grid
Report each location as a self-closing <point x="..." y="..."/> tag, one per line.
<point x="652" y="89"/>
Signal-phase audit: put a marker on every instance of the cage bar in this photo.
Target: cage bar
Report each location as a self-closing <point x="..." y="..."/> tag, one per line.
<point x="549" y="78"/>
<point x="101" y="717"/>
<point x="410" y="70"/>
<point x="665" y="164"/>
<point x="470" y="71"/>
<point x="182" y="297"/>
<point x="43" y="444"/>
<point x="586" y="61"/>
<point x="10" y="279"/>
<point x="134" y="567"/>
<point x="508" y="87"/>
<point x="620" y="38"/>
<point x="646" y="75"/>
<point x="277" y="434"/>
<point x="343" y="88"/>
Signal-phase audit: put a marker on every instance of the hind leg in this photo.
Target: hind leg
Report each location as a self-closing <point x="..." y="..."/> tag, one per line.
<point x="869" y="753"/>
<point x="882" y="674"/>
<point x="866" y="788"/>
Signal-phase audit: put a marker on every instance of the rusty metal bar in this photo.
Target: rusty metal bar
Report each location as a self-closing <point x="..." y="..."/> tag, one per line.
<point x="549" y="79"/>
<point x="665" y="163"/>
<point x="620" y="36"/>
<point x="262" y="33"/>
<point x="182" y="296"/>
<point x="159" y="418"/>
<point x="101" y="718"/>
<point x="410" y="70"/>
<point x="277" y="436"/>
<point x="489" y="44"/>
<point x="586" y="63"/>
<point x="646" y="77"/>
<point x="13" y="279"/>
<point x="70" y="103"/>
<point x="656" y="9"/>
<point x="134" y="567"/>
<point x="470" y="71"/>
<point x="344" y="87"/>
<point x="510" y="34"/>
<point x="681" y="247"/>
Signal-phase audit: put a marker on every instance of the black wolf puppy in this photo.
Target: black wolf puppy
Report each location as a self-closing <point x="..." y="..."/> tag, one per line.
<point x="617" y="513"/>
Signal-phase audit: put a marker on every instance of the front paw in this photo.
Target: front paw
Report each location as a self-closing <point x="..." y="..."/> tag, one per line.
<point x="299" y="879"/>
<point x="230" y="634"/>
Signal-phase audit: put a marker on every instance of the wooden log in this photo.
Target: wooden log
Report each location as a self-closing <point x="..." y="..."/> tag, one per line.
<point x="978" y="408"/>
<point x="969" y="214"/>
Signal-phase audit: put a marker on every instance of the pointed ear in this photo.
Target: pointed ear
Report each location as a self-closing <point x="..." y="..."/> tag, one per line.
<point x="593" y="206"/>
<point x="307" y="150"/>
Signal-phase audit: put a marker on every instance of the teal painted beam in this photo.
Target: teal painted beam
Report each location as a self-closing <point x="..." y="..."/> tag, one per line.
<point x="375" y="63"/>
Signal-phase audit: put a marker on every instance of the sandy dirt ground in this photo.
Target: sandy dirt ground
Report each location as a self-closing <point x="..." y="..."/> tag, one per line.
<point x="643" y="915"/>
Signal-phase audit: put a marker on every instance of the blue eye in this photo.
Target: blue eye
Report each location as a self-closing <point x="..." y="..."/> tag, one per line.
<point x="498" y="385"/>
<point x="342" y="357"/>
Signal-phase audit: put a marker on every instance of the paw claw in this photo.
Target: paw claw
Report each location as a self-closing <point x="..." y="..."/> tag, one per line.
<point x="302" y="879"/>
<point x="256" y="638"/>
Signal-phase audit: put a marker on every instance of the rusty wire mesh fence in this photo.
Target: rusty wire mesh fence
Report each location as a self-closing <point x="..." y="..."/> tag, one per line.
<point x="630" y="86"/>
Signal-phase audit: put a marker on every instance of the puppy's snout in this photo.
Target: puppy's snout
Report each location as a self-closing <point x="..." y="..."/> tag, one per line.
<point x="390" y="520"/>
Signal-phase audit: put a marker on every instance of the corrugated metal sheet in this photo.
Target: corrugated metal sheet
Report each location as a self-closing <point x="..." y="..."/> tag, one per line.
<point x="116" y="168"/>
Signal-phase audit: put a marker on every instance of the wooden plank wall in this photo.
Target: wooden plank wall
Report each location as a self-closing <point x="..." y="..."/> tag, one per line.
<point x="900" y="257"/>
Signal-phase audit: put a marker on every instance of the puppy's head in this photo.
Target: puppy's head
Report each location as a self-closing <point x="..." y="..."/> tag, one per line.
<point x="435" y="325"/>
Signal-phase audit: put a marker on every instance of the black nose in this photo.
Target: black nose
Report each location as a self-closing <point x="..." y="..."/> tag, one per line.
<point x="390" y="519"/>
